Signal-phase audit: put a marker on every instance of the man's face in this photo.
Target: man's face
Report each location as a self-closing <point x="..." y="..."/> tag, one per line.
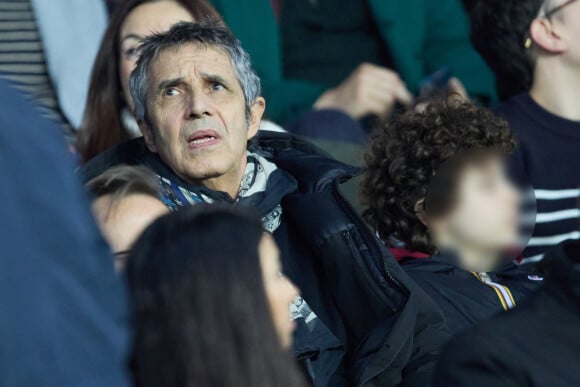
<point x="197" y="115"/>
<point x="485" y="214"/>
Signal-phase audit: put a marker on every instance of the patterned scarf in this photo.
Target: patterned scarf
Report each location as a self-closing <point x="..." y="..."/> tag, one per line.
<point x="262" y="188"/>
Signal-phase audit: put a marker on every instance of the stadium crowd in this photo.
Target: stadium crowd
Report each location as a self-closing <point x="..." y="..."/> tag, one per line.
<point x="289" y="193"/>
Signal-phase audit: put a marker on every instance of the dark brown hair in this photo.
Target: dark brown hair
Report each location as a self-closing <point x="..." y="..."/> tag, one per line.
<point x="499" y="29"/>
<point x="102" y="124"/>
<point x="201" y="315"/>
<point x="409" y="150"/>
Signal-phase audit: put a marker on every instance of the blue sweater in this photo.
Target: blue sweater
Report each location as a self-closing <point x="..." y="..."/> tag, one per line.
<point x="548" y="158"/>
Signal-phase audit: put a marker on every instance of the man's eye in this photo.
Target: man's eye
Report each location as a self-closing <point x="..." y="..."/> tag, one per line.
<point x="171" y="91"/>
<point x="216" y="86"/>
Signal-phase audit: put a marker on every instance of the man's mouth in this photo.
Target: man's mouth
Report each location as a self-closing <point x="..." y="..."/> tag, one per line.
<point x="202" y="139"/>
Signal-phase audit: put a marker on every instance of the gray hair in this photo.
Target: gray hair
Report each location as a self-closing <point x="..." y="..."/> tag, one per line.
<point x="209" y="33"/>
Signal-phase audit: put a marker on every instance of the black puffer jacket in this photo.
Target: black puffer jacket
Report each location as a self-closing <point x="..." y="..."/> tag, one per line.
<point x="375" y="326"/>
<point x="535" y="345"/>
<point x="466" y="297"/>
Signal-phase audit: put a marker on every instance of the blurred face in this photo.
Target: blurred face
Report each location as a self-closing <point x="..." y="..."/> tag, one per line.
<point x="197" y="116"/>
<point x="485" y="217"/>
<point x="280" y="291"/>
<point x="148" y="18"/>
<point x="124" y="221"/>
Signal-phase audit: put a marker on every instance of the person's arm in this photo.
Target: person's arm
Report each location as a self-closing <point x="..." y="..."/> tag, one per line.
<point x="64" y="315"/>
<point x="476" y="361"/>
<point x="429" y="335"/>
<point x="448" y="44"/>
<point x="86" y="22"/>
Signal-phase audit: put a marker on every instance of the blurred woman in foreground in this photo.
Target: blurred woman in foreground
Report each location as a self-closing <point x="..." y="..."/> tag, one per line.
<point x="212" y="307"/>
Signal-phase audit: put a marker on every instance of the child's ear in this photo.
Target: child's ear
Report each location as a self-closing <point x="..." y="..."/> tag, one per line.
<point x="420" y="211"/>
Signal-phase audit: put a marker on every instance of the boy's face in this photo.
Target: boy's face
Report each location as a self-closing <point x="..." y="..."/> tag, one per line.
<point x="484" y="216"/>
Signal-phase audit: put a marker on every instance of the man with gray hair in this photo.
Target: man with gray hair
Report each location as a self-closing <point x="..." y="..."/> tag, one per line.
<point x="362" y="322"/>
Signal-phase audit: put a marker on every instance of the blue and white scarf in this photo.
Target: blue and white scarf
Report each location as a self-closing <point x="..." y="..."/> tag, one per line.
<point x="262" y="188"/>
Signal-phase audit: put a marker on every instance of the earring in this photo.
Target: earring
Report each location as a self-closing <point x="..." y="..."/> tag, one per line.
<point x="528" y="42"/>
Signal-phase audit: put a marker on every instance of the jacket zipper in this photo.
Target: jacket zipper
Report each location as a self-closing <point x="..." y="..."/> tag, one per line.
<point x="503" y="293"/>
<point x="381" y="262"/>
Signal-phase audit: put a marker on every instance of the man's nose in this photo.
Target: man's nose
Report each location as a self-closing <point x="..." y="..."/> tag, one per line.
<point x="198" y="105"/>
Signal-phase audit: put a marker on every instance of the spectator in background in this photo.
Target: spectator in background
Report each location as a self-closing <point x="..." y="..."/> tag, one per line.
<point x="436" y="182"/>
<point x="534" y="49"/>
<point x="211" y="305"/>
<point x="47" y="49"/>
<point x="360" y="57"/>
<point x="108" y="118"/>
<point x="197" y="100"/>
<point x="534" y="345"/>
<point x="64" y="311"/>
<point x="126" y="199"/>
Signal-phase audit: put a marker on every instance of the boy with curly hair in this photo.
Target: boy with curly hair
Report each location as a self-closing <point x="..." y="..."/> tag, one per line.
<point x="436" y="183"/>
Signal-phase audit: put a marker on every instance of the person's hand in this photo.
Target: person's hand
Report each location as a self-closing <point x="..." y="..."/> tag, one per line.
<point x="369" y="89"/>
<point x="455" y="91"/>
<point x="455" y="87"/>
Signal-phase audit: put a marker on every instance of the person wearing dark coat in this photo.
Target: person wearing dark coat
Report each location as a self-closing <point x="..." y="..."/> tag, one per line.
<point x="324" y="242"/>
<point x="63" y="311"/>
<point x="361" y="321"/>
<point x="437" y="185"/>
<point x="535" y="344"/>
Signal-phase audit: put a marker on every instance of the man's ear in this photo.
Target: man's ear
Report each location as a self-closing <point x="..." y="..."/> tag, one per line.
<point x="148" y="135"/>
<point x="420" y="211"/>
<point x="256" y="113"/>
<point x="546" y="37"/>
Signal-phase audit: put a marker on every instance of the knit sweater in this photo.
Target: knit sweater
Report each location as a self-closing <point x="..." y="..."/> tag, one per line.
<point x="548" y="158"/>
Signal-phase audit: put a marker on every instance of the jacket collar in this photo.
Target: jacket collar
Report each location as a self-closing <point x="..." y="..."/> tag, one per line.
<point x="310" y="166"/>
<point x="448" y="260"/>
<point x="400" y="254"/>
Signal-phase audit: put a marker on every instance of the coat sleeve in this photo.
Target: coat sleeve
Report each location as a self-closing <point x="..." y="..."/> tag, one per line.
<point x="430" y="332"/>
<point x="473" y="360"/>
<point x="85" y="25"/>
<point x="447" y="43"/>
<point x="64" y="313"/>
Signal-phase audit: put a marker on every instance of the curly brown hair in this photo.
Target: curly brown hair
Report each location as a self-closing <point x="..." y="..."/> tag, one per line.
<point x="406" y="152"/>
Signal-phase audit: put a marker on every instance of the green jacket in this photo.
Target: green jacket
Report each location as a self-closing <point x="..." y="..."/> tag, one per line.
<point x="422" y="36"/>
